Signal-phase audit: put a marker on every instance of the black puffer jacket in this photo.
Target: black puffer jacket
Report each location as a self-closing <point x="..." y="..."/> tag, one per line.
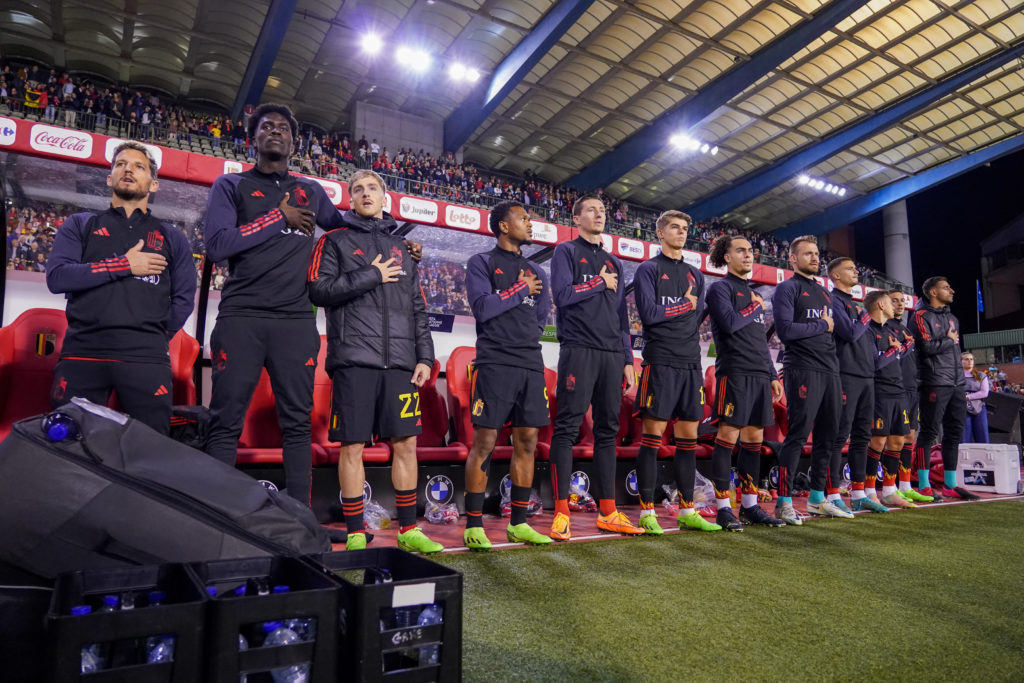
<point x="369" y="323"/>
<point x="938" y="356"/>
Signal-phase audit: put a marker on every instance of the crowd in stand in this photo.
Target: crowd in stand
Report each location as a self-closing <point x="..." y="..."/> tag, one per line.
<point x="66" y="100"/>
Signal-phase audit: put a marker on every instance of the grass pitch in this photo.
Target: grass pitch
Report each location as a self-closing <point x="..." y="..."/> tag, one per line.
<point x="926" y="594"/>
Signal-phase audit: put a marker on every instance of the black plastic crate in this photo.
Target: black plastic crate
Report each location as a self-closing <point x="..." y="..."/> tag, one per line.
<point x="123" y="633"/>
<point x="372" y="651"/>
<point x="311" y="595"/>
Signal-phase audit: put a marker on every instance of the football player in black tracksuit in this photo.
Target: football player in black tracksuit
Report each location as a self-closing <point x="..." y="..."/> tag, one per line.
<point x="670" y="300"/>
<point x="746" y="379"/>
<point x="908" y="364"/>
<point x="379" y="352"/>
<point x="510" y="302"/>
<point x="856" y="352"/>
<point x="262" y="222"/>
<point x="593" y="359"/>
<point x="130" y="283"/>
<point x="941" y="380"/>
<point x="810" y="374"/>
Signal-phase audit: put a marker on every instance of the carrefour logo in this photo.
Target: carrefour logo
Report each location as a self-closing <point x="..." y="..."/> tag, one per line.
<point x="232" y="167"/>
<point x="693" y="258"/>
<point x="8" y="131"/>
<point x="718" y="270"/>
<point x="440" y="490"/>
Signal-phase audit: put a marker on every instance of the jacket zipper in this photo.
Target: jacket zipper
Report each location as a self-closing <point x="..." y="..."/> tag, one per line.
<point x="385" y="342"/>
<point x="173" y="498"/>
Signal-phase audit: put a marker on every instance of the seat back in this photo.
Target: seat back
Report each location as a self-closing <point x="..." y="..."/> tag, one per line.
<point x="457" y="372"/>
<point x="434" y="413"/>
<point x="184" y="350"/>
<point x="321" y="415"/>
<point x="261" y="429"/>
<point x="29" y="349"/>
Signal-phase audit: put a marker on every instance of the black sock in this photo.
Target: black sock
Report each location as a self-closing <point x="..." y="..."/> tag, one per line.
<point x="721" y="460"/>
<point x="685" y="464"/>
<point x="474" y="510"/>
<point x="647" y="466"/>
<point x="520" y="501"/>
<point x="353" y="510"/>
<point x="405" y="502"/>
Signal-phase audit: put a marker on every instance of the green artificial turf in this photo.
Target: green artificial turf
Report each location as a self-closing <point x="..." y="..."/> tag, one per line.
<point x="927" y="594"/>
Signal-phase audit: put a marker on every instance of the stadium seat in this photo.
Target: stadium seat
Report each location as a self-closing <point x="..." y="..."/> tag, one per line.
<point x="184" y="350"/>
<point x="29" y="348"/>
<point x="432" y="445"/>
<point x="326" y="452"/>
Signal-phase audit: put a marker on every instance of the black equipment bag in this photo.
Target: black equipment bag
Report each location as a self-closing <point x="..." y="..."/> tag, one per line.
<point x="115" y="492"/>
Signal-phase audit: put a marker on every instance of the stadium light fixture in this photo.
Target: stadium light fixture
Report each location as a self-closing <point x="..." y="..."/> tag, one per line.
<point x="416" y="60"/>
<point x="681" y="141"/>
<point x="457" y="72"/>
<point x="818" y="184"/>
<point x="372" y="44"/>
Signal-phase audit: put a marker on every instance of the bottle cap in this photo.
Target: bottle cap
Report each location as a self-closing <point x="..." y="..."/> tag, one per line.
<point x="110" y="600"/>
<point x="79" y="610"/>
<point x="282" y="589"/>
<point x="211" y="591"/>
<point x="157" y="596"/>
<point x="270" y="626"/>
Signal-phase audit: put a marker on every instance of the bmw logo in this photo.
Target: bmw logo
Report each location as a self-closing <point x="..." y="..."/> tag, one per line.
<point x="734" y="478"/>
<point x="881" y="473"/>
<point x="439" y="490"/>
<point x="505" y="487"/>
<point x="631" y="487"/>
<point x="367" y="491"/>
<point x="579" y="482"/>
<point x="846" y="472"/>
<point x="269" y="485"/>
<point x="773" y="477"/>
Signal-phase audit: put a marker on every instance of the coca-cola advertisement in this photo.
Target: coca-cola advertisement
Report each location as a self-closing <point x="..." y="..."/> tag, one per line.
<point x="53" y="140"/>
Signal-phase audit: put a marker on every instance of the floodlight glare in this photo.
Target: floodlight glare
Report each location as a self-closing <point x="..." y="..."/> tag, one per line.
<point x="803" y="180"/>
<point x="714" y="150"/>
<point x="372" y="44"/>
<point x="457" y="72"/>
<point x="420" y="61"/>
<point x="705" y="147"/>
<point x="842" y="192"/>
<point x="472" y="75"/>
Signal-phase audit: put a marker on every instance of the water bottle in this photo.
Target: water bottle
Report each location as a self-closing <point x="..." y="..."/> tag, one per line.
<point x="431" y="614"/>
<point x="110" y="603"/>
<point x="59" y="427"/>
<point x="91" y="659"/>
<point x="243" y="645"/>
<point x="159" y="648"/>
<point x="304" y="627"/>
<point x="277" y="635"/>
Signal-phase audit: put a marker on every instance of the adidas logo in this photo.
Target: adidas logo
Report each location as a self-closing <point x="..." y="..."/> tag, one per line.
<point x="804" y="294"/>
<point x="583" y="260"/>
<point x="419" y="422"/>
<point x="162" y="391"/>
<point x="499" y="271"/>
<point x="740" y="294"/>
<point x="664" y="276"/>
<point x="358" y="252"/>
<point x="311" y="362"/>
<point x="102" y="232"/>
<point x="257" y="193"/>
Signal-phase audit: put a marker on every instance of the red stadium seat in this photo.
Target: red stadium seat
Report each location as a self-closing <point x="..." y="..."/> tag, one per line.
<point x="29" y="349"/>
<point x="326" y="452"/>
<point x="184" y="350"/>
<point x="432" y="444"/>
<point x="631" y="426"/>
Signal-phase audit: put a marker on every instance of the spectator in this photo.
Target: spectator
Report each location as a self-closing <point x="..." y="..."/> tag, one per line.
<point x="977" y="386"/>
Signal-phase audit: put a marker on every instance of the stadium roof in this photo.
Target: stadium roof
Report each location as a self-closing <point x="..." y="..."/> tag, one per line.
<point x="858" y="94"/>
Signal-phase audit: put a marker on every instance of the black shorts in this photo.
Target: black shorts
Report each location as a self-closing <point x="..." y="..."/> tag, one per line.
<point x="666" y="392"/>
<point x="503" y="394"/>
<point x="369" y="403"/>
<point x="912" y="402"/>
<point x="891" y="417"/>
<point x="744" y="401"/>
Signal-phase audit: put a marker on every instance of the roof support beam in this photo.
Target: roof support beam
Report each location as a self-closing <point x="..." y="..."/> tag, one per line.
<point x="854" y="209"/>
<point x="479" y="104"/>
<point x="783" y="169"/>
<point x="694" y="109"/>
<point x="264" y="54"/>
